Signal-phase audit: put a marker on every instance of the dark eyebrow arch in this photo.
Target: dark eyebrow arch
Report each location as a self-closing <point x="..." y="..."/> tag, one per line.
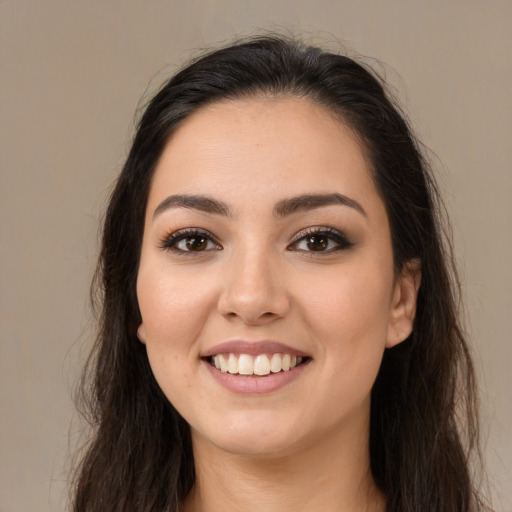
<point x="193" y="202"/>
<point x="311" y="201"/>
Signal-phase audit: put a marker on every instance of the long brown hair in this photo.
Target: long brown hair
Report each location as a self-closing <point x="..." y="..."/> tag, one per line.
<point x="423" y="427"/>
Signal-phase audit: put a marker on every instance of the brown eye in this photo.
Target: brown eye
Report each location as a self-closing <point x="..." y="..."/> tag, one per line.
<point x="190" y="241"/>
<point x="320" y="240"/>
<point x="317" y="242"/>
<point x="196" y="243"/>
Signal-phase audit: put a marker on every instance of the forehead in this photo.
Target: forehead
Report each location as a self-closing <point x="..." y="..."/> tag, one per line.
<point x="262" y="147"/>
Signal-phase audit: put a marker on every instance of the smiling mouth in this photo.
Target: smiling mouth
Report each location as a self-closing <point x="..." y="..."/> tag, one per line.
<point x="259" y="365"/>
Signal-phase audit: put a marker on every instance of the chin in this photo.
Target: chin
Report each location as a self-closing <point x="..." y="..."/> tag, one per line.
<point x="256" y="447"/>
<point x="251" y="437"/>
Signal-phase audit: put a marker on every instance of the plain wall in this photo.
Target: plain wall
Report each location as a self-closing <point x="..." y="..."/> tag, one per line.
<point x="72" y="75"/>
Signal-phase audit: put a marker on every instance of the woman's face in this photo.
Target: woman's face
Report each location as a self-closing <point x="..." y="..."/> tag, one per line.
<point x="266" y="246"/>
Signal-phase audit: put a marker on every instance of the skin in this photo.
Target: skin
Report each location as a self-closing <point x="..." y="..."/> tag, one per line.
<point x="258" y="279"/>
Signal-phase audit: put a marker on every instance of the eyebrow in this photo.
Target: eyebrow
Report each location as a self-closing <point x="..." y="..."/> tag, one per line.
<point x="193" y="202"/>
<point x="312" y="201"/>
<point x="282" y="209"/>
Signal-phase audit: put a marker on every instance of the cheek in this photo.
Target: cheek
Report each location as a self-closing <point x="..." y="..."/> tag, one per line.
<point x="357" y="297"/>
<point x="170" y="303"/>
<point x="174" y="311"/>
<point x="349" y="315"/>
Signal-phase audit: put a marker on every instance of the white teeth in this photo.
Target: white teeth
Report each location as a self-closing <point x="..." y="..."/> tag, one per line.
<point x="262" y="365"/>
<point x="246" y="364"/>
<point x="232" y="364"/>
<point x="275" y="363"/>
<point x="223" y="363"/>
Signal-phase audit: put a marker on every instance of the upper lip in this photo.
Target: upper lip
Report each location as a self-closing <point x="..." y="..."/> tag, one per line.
<point x="252" y="348"/>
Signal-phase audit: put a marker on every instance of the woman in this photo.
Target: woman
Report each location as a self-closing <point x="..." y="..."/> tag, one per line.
<point x="279" y="327"/>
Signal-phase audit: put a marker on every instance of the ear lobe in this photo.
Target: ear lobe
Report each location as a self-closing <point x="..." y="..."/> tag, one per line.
<point x="141" y="333"/>
<point x="403" y="307"/>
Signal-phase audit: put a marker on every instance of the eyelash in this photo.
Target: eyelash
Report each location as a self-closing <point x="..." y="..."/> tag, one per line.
<point x="329" y="234"/>
<point x="170" y="242"/>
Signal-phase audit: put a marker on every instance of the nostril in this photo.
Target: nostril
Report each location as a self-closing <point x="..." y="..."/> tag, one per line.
<point x="253" y="305"/>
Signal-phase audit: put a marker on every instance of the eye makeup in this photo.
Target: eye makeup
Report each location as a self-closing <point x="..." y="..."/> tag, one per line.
<point x="190" y="240"/>
<point x="317" y="240"/>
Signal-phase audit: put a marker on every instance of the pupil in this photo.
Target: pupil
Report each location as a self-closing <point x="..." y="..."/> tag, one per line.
<point x="317" y="243"/>
<point x="196" y="243"/>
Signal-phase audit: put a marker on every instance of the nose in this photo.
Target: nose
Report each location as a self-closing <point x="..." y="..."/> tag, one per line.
<point x="253" y="290"/>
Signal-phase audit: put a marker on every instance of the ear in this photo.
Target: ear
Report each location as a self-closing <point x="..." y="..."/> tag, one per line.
<point x="141" y="333"/>
<point x="403" y="306"/>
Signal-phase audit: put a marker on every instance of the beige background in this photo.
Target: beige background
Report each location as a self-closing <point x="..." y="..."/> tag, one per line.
<point x="72" y="74"/>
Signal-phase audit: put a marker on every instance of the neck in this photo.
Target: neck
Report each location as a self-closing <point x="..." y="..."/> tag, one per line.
<point x="331" y="475"/>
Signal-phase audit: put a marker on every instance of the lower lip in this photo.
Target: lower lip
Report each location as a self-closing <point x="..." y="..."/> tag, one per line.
<point x="252" y="384"/>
